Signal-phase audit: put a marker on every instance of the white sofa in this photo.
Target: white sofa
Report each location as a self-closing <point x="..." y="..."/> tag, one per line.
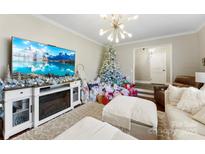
<point x="181" y="124"/>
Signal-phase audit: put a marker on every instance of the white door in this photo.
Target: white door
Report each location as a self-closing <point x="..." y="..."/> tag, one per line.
<point x="158" y="65"/>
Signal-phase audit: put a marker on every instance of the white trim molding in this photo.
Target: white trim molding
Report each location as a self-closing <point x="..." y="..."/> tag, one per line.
<point x="163" y="37"/>
<point x="43" y="18"/>
<point x="156" y="38"/>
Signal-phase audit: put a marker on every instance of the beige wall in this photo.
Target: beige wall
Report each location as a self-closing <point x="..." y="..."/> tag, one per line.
<point x="32" y="28"/>
<point x="185" y="54"/>
<point x="201" y="35"/>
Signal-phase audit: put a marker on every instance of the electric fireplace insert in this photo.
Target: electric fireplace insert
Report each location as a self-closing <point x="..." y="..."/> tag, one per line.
<point x="53" y="103"/>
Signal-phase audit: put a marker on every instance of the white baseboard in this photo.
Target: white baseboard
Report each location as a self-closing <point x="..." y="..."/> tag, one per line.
<point x="145" y="90"/>
<point x="142" y="81"/>
<point x="149" y="82"/>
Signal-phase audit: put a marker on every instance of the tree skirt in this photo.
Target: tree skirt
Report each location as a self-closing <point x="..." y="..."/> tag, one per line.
<point x="53" y="128"/>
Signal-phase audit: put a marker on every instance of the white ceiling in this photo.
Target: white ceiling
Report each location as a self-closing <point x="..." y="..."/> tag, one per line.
<point x="146" y="27"/>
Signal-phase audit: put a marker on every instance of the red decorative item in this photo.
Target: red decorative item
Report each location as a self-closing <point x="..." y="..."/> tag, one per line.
<point x="105" y="100"/>
<point x="131" y="89"/>
<point x="127" y="86"/>
<point x="109" y="95"/>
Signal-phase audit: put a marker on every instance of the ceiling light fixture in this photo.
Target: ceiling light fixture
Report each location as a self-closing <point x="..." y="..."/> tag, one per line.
<point x="117" y="27"/>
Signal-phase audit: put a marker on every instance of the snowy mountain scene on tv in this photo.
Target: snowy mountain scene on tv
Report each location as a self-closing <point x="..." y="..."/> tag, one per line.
<point x="30" y="57"/>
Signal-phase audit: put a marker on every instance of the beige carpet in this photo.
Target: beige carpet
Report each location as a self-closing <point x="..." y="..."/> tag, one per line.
<point x="58" y="125"/>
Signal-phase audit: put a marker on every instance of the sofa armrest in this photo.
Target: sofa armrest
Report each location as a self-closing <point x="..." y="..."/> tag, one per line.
<point x="159" y="96"/>
<point x="166" y="99"/>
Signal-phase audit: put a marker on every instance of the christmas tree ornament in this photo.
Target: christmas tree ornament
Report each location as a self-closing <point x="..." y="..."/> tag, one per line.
<point x="19" y="76"/>
<point x="85" y="92"/>
<point x="8" y="73"/>
<point x="81" y="71"/>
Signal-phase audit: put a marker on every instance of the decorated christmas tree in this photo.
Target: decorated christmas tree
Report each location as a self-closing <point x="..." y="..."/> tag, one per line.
<point x="110" y="72"/>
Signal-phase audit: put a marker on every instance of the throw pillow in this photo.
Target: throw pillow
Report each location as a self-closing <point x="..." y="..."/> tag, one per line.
<point x="192" y="100"/>
<point x="203" y="87"/>
<point x="200" y="116"/>
<point x="174" y="94"/>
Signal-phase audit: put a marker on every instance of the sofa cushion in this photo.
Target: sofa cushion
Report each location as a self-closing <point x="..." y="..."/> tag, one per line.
<point x="203" y="87"/>
<point x="181" y="120"/>
<point x="174" y="94"/>
<point x="192" y="100"/>
<point x="200" y="116"/>
<point x="185" y="135"/>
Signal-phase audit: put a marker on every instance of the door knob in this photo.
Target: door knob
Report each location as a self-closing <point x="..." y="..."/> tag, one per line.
<point x="163" y="70"/>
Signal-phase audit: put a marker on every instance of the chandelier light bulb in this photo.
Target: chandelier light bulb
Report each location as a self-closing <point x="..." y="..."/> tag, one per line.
<point x="102" y="32"/>
<point x="117" y="39"/>
<point x="113" y="17"/>
<point x="124" y="32"/>
<point x="110" y="37"/>
<point x="121" y="26"/>
<point x="122" y="36"/>
<point x="129" y="35"/>
<point x="104" y="16"/>
<point x="133" y="18"/>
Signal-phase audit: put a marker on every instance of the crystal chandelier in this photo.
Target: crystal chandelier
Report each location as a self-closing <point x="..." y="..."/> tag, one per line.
<point x="116" y="31"/>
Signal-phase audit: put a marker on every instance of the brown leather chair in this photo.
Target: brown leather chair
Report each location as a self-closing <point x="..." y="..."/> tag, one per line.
<point x="186" y="81"/>
<point x="180" y="81"/>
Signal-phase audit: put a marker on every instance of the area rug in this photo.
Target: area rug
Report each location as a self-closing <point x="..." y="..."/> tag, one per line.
<point x="53" y="128"/>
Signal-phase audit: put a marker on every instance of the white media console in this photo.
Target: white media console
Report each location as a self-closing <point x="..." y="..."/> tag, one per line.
<point x="30" y="107"/>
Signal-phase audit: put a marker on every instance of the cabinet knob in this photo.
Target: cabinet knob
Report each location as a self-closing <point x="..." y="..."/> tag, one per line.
<point x="21" y="92"/>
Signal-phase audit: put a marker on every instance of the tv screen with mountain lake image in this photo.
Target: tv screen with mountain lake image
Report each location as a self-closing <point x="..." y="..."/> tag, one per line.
<point x="30" y="57"/>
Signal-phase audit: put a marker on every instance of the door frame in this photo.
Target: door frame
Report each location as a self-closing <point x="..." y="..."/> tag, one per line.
<point x="153" y="46"/>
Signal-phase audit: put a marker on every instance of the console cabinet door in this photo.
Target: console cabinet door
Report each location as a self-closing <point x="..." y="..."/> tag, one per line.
<point x="21" y="112"/>
<point x="18" y="116"/>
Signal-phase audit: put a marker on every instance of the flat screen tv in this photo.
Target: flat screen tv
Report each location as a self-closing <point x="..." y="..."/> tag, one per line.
<point x="29" y="57"/>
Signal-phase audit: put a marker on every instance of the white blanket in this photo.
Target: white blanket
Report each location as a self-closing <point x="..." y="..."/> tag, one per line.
<point x="92" y="129"/>
<point x="124" y="109"/>
<point x="186" y="135"/>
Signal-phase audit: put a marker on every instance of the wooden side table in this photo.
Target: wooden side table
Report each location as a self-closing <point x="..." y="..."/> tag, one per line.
<point x="159" y="96"/>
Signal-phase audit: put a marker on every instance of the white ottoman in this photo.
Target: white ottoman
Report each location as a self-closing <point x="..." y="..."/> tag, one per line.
<point x="135" y="115"/>
<point x="90" y="128"/>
